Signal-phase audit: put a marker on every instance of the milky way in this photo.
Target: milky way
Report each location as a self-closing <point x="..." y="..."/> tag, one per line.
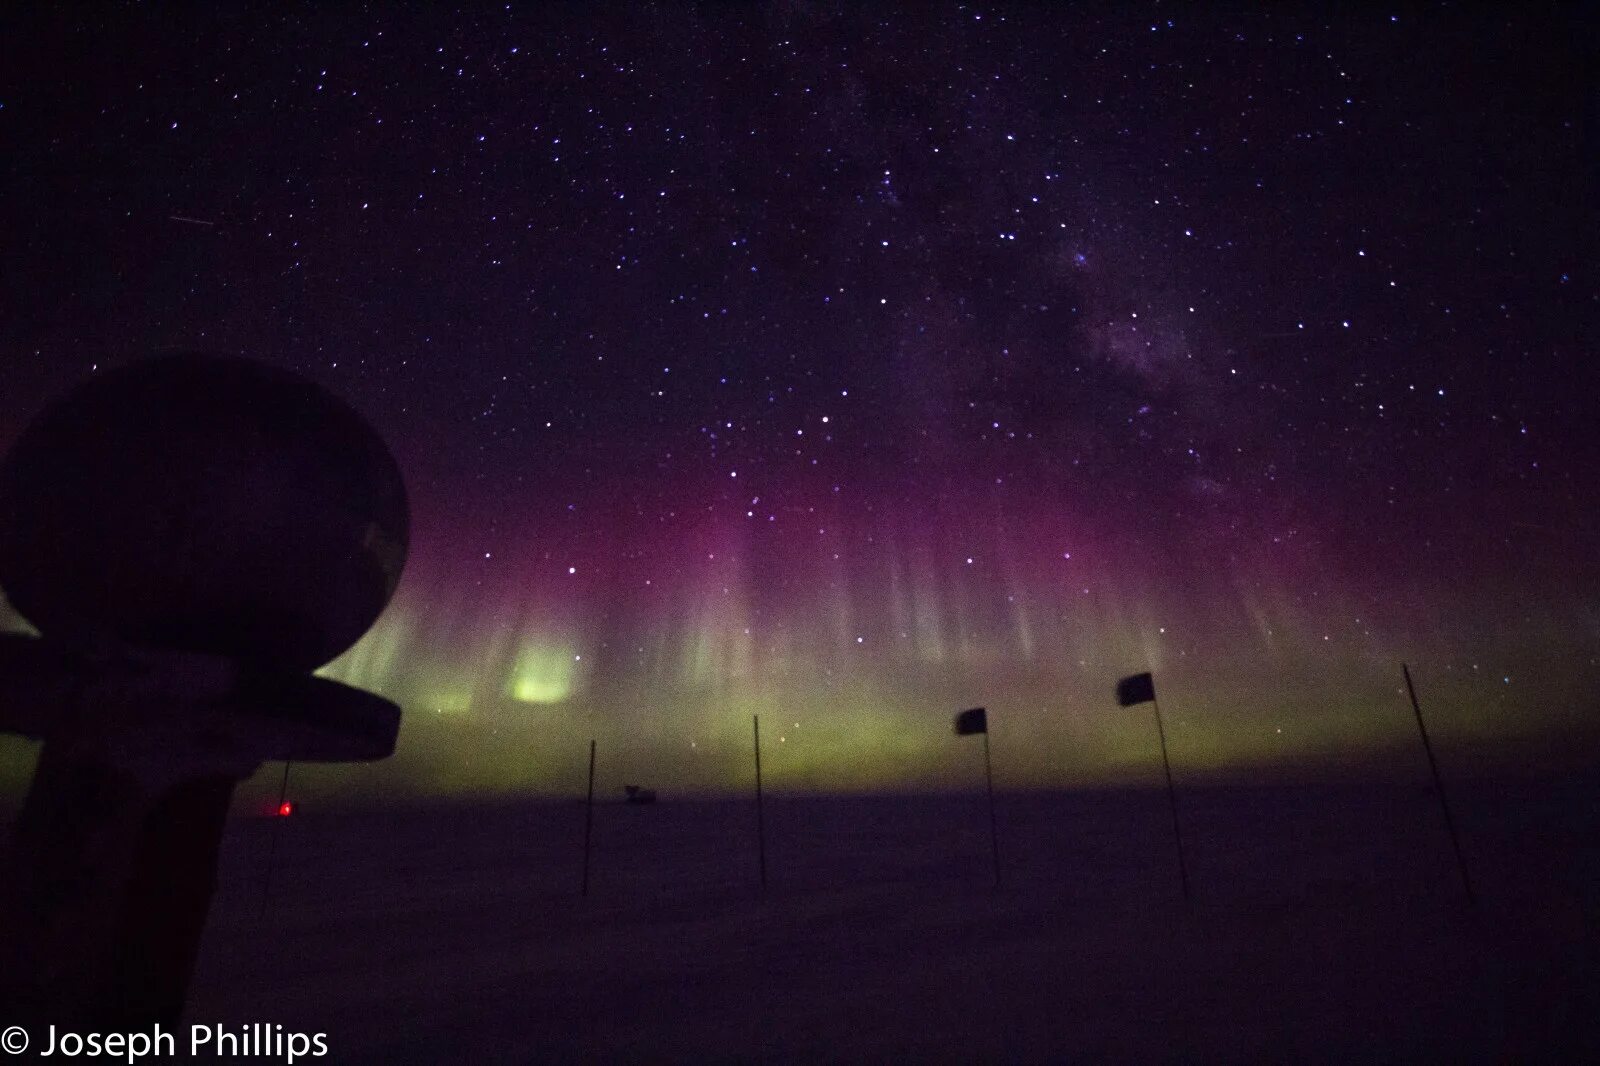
<point x="850" y="369"/>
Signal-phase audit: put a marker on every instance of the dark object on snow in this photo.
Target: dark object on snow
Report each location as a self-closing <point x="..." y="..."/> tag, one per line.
<point x="191" y="536"/>
<point x="970" y="723"/>
<point x="639" y="795"/>
<point x="1134" y="690"/>
<point x="761" y="824"/>
<point x="588" y="819"/>
<point x="975" y="722"/>
<point x="1438" y="786"/>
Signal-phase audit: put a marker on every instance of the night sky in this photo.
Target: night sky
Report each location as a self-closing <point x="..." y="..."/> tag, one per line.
<point x="853" y="368"/>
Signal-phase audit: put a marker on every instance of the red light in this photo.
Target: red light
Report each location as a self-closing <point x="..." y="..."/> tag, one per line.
<point x="285" y="809"/>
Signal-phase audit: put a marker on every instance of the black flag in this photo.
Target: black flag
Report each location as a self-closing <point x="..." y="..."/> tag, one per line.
<point x="970" y="723"/>
<point x="1140" y="688"/>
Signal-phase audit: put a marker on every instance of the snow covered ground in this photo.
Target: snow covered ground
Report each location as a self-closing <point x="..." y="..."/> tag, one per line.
<point x="1328" y="924"/>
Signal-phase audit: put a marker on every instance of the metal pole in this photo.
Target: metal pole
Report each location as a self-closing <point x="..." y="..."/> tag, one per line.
<point x="272" y="845"/>
<point x="105" y="898"/>
<point x="1444" y="804"/>
<point x="588" y="820"/>
<point x="1172" y="800"/>
<point x="761" y="828"/>
<point x="994" y="832"/>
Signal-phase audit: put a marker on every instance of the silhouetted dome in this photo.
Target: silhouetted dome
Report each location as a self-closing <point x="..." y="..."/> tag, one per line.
<point x="207" y="504"/>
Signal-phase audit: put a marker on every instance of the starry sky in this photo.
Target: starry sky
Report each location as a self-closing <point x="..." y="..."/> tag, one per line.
<point x="851" y="367"/>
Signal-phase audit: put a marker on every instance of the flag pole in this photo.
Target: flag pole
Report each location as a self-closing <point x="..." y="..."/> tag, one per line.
<point x="1172" y="797"/>
<point x="761" y="828"/>
<point x="272" y="845"/>
<point x="994" y="832"/>
<point x="588" y="820"/>
<point x="1444" y="804"/>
